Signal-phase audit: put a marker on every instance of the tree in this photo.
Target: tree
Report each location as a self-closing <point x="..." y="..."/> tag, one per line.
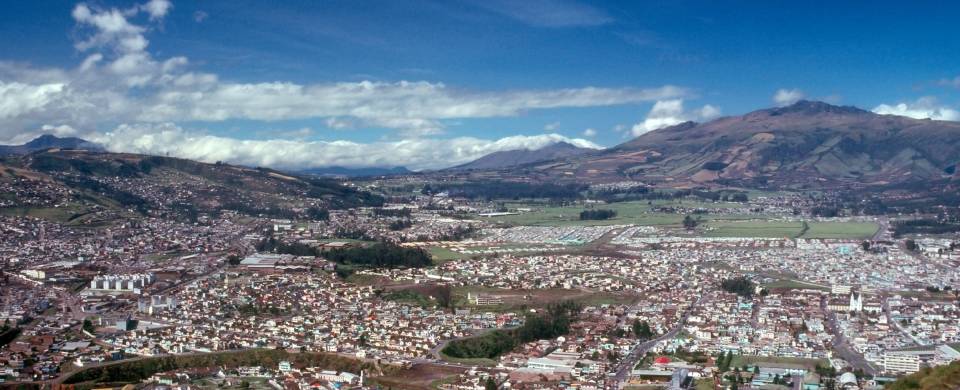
<point x="88" y="326"/>
<point x="865" y="245"/>
<point x="491" y="384"/>
<point x="689" y="222"/>
<point x="911" y="245"/>
<point x="233" y="259"/>
<point x="641" y="329"/>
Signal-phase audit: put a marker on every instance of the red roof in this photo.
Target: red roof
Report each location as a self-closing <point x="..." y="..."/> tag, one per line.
<point x="661" y="360"/>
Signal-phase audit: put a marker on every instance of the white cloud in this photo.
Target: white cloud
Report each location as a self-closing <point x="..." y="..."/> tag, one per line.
<point x="924" y="108"/>
<point x="589" y="133"/>
<point x="199" y="16"/>
<point x="786" y="97"/>
<point x="552" y="126"/>
<point x="670" y="112"/>
<point x="157" y="8"/>
<point x="168" y="138"/>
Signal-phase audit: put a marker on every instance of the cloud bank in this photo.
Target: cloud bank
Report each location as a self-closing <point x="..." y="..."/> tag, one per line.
<point x="923" y="108"/>
<point x="671" y="112"/>
<point x="119" y="81"/>
<point x="170" y="139"/>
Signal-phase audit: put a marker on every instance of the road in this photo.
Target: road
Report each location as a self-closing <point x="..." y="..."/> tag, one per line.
<point x="630" y="360"/>
<point x="841" y="346"/>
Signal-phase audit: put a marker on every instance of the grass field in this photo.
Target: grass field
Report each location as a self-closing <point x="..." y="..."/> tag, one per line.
<point x="753" y="228"/>
<point x="639" y="213"/>
<point x="790" y="229"/>
<point x="442" y="255"/>
<point x="851" y="230"/>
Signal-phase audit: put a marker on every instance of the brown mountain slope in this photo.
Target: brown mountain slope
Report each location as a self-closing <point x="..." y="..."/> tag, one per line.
<point x="808" y="144"/>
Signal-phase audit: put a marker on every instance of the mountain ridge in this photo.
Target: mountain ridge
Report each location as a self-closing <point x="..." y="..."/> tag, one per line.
<point x="520" y="157"/>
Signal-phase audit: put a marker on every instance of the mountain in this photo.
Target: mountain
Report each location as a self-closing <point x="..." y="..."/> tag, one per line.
<point x="81" y="186"/>
<point x="356" y="172"/>
<point x="512" y="158"/>
<point x="48" y="141"/>
<point x="804" y="145"/>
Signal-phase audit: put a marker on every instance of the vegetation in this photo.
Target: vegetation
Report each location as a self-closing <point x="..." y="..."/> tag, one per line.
<point x="924" y="226"/>
<point x="641" y="329"/>
<point x="137" y="370"/>
<point x="381" y="255"/>
<point x="490" y="190"/>
<point x="740" y="285"/>
<point x="8" y="335"/>
<point x="554" y="322"/>
<point x="599" y="215"/>
<point x="938" y="378"/>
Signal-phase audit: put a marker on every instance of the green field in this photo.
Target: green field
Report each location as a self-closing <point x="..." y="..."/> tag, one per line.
<point x="442" y="255"/>
<point x="638" y="213"/>
<point x="753" y="228"/>
<point x="851" y="230"/>
<point x="790" y="229"/>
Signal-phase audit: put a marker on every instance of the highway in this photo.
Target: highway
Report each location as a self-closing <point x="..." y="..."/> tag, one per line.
<point x="628" y="362"/>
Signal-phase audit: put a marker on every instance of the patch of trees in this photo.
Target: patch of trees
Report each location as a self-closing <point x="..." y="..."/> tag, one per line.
<point x="554" y="322"/>
<point x="690" y="223"/>
<point x="596" y="215"/>
<point x="396" y="213"/>
<point x="490" y="190"/>
<point x="9" y="335"/>
<point x="641" y="329"/>
<point x="740" y="285"/>
<point x="924" y="226"/>
<point x="715" y="166"/>
<point x="271" y="244"/>
<point x="381" y="255"/>
<point x="318" y="214"/>
<point x="942" y="377"/>
<point x="400" y="224"/>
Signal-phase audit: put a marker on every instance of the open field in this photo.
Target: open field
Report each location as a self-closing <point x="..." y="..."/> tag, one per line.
<point x="514" y="300"/>
<point x="850" y="230"/>
<point x="790" y="229"/>
<point x="639" y="213"/>
<point x="753" y="228"/>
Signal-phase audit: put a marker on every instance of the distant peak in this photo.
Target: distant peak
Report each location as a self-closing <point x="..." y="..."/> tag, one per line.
<point x="815" y="107"/>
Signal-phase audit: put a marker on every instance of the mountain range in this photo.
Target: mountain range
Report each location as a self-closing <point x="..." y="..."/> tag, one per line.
<point x="512" y="158"/>
<point x="48" y="141"/>
<point x="803" y="145"/>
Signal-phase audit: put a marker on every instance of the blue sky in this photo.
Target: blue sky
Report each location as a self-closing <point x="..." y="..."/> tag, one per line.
<point x="439" y="82"/>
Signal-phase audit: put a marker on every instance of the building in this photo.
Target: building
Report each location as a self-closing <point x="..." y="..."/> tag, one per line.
<point x="906" y="362"/>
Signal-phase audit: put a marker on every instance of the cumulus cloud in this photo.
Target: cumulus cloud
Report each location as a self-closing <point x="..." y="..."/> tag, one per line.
<point x="127" y="84"/>
<point x="786" y="97"/>
<point x="118" y="80"/>
<point x="671" y="112"/>
<point x="589" y="133"/>
<point x="168" y="138"/>
<point x="924" y="108"/>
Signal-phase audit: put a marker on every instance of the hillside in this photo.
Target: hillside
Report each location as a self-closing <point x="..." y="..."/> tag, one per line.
<point x="81" y="186"/>
<point x="805" y="145"/>
<point x="938" y="378"/>
<point x="513" y="158"/>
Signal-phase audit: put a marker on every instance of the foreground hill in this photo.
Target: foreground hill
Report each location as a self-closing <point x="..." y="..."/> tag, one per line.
<point x="938" y="378"/>
<point x="805" y="145"/>
<point x="512" y="158"/>
<point x="71" y="184"/>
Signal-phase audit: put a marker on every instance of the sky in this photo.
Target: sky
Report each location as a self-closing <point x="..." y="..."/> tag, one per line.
<point x="431" y="84"/>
